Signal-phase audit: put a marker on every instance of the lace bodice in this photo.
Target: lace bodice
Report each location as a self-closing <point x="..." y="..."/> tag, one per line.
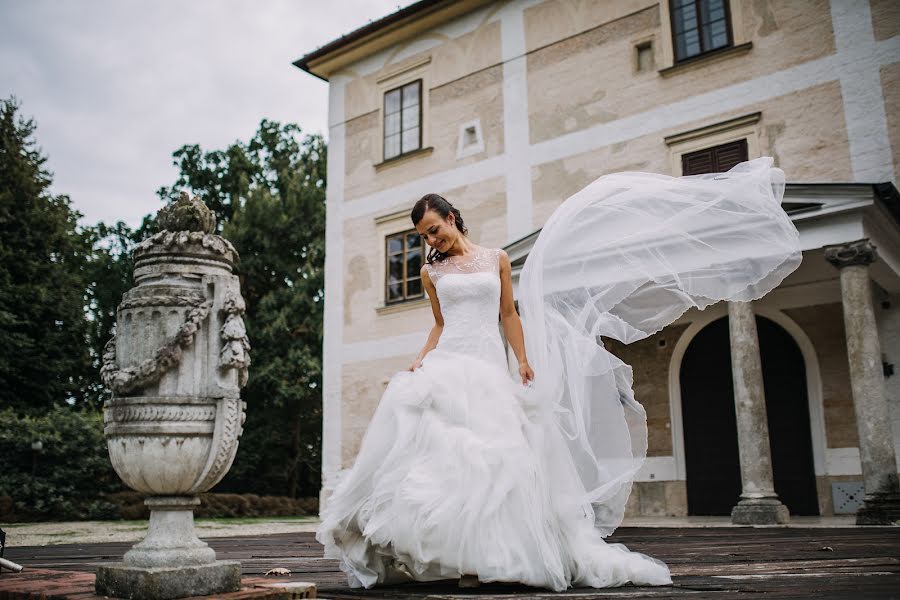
<point x="468" y="289"/>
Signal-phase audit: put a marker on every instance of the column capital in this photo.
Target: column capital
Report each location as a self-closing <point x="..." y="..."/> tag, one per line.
<point x="860" y="252"/>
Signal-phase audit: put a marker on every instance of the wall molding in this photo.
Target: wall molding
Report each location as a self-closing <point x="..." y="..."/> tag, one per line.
<point x="708" y="130"/>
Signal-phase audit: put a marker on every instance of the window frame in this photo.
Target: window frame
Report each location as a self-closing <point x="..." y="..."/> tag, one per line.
<point x="716" y="134"/>
<point x="405" y="297"/>
<point x="703" y="52"/>
<point x="741" y="43"/>
<point x="394" y="76"/>
<point x="421" y="85"/>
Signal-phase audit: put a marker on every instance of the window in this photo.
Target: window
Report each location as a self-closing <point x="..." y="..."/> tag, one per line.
<point x="402" y="120"/>
<point x="699" y="26"/>
<point x="717" y="159"/>
<point x="404" y="261"/>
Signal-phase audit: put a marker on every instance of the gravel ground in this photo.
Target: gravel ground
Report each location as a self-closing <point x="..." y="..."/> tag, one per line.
<point x="89" y="532"/>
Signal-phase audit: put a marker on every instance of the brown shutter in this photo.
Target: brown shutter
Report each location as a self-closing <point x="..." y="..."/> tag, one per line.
<point x="698" y="162"/>
<point x="728" y="155"/>
<point x="717" y="159"/>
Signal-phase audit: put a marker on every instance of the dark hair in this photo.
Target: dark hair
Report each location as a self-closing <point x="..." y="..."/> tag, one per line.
<point x="439" y="205"/>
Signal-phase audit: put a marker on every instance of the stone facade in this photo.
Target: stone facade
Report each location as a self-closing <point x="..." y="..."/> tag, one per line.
<point x="560" y="97"/>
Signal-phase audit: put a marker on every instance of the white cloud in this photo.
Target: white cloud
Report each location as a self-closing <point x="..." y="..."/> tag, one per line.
<point x="117" y="85"/>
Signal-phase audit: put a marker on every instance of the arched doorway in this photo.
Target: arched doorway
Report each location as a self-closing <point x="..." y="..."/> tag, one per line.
<point x="710" y="430"/>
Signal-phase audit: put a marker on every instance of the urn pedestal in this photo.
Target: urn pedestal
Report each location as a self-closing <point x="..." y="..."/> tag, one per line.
<point x="176" y="366"/>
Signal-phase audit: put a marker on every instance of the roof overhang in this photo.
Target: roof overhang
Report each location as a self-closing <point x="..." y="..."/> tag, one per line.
<point x="824" y="213"/>
<point x="383" y="33"/>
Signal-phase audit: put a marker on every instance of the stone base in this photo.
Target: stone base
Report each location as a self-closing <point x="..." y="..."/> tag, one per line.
<point x="759" y="512"/>
<point x="167" y="583"/>
<point x="880" y="509"/>
<point x="295" y="589"/>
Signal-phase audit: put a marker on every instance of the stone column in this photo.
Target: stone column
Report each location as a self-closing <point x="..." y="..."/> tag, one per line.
<point x="759" y="505"/>
<point x="876" y="450"/>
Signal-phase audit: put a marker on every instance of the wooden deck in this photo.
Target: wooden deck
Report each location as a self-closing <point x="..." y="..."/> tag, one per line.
<point x="706" y="563"/>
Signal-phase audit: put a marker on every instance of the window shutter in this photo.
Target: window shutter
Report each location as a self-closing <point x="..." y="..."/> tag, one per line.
<point x="697" y="162"/>
<point x="717" y="159"/>
<point x="728" y="155"/>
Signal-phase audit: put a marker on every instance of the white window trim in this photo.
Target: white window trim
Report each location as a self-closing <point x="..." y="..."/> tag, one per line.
<point x="724" y="132"/>
<point x="666" y="52"/>
<point x="395" y="76"/>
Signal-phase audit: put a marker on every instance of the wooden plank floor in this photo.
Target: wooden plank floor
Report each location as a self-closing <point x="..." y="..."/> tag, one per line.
<point x="706" y="563"/>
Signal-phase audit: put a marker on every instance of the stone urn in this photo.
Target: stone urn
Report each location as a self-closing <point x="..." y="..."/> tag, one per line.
<point x="175" y="368"/>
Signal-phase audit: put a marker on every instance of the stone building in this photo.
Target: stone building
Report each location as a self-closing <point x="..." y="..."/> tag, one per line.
<point x="507" y="108"/>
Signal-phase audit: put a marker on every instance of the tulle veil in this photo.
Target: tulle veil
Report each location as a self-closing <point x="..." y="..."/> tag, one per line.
<point x="621" y="259"/>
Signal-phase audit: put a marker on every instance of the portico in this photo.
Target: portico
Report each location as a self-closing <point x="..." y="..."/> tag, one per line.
<point x="831" y="218"/>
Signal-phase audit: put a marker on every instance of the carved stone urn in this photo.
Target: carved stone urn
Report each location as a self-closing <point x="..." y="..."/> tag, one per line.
<point x="175" y="367"/>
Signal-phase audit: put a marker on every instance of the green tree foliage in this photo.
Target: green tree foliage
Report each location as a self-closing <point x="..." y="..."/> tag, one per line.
<point x="269" y="196"/>
<point x="66" y="477"/>
<point x="108" y="276"/>
<point x="60" y="286"/>
<point x="45" y="359"/>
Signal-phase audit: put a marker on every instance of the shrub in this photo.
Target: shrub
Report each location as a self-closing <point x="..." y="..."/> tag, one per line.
<point x="74" y="479"/>
<point x="130" y="505"/>
<point x="67" y="478"/>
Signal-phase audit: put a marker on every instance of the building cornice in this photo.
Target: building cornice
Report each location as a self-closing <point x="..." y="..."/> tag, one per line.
<point x="367" y="40"/>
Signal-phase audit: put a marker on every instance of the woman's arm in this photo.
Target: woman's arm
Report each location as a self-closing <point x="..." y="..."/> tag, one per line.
<point x="435" y="333"/>
<point x="512" y="326"/>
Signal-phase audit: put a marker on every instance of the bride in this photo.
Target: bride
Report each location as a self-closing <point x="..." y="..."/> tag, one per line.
<point x="466" y="472"/>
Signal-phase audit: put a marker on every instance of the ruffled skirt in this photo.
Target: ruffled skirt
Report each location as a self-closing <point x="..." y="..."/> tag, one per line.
<point x="457" y="475"/>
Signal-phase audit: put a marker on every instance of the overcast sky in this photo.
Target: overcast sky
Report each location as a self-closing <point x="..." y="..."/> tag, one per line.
<point x="116" y="86"/>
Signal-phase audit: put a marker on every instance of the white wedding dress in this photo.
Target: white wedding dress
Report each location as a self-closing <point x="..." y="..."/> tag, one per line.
<point x="465" y="471"/>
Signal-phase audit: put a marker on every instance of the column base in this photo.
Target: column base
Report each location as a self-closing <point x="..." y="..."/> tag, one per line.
<point x="880" y="509"/>
<point x="171" y="540"/>
<point x="760" y="511"/>
<point x="121" y="581"/>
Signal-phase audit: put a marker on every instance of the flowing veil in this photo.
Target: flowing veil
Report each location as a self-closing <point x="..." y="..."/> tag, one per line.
<point x="623" y="258"/>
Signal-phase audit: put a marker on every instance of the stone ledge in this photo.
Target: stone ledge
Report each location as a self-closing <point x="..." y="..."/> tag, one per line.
<point x="403" y="158"/>
<point x="121" y="581"/>
<point x="40" y="584"/>
<point x="706" y="59"/>
<point x="402" y="306"/>
<point x="294" y="589"/>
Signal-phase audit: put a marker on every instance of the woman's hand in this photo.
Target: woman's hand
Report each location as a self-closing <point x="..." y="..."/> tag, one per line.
<point x="525" y="372"/>
<point x="415" y="365"/>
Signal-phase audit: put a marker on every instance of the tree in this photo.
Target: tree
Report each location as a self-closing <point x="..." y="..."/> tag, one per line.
<point x="67" y="478"/>
<point x="43" y="330"/>
<point x="108" y="274"/>
<point x="269" y="197"/>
